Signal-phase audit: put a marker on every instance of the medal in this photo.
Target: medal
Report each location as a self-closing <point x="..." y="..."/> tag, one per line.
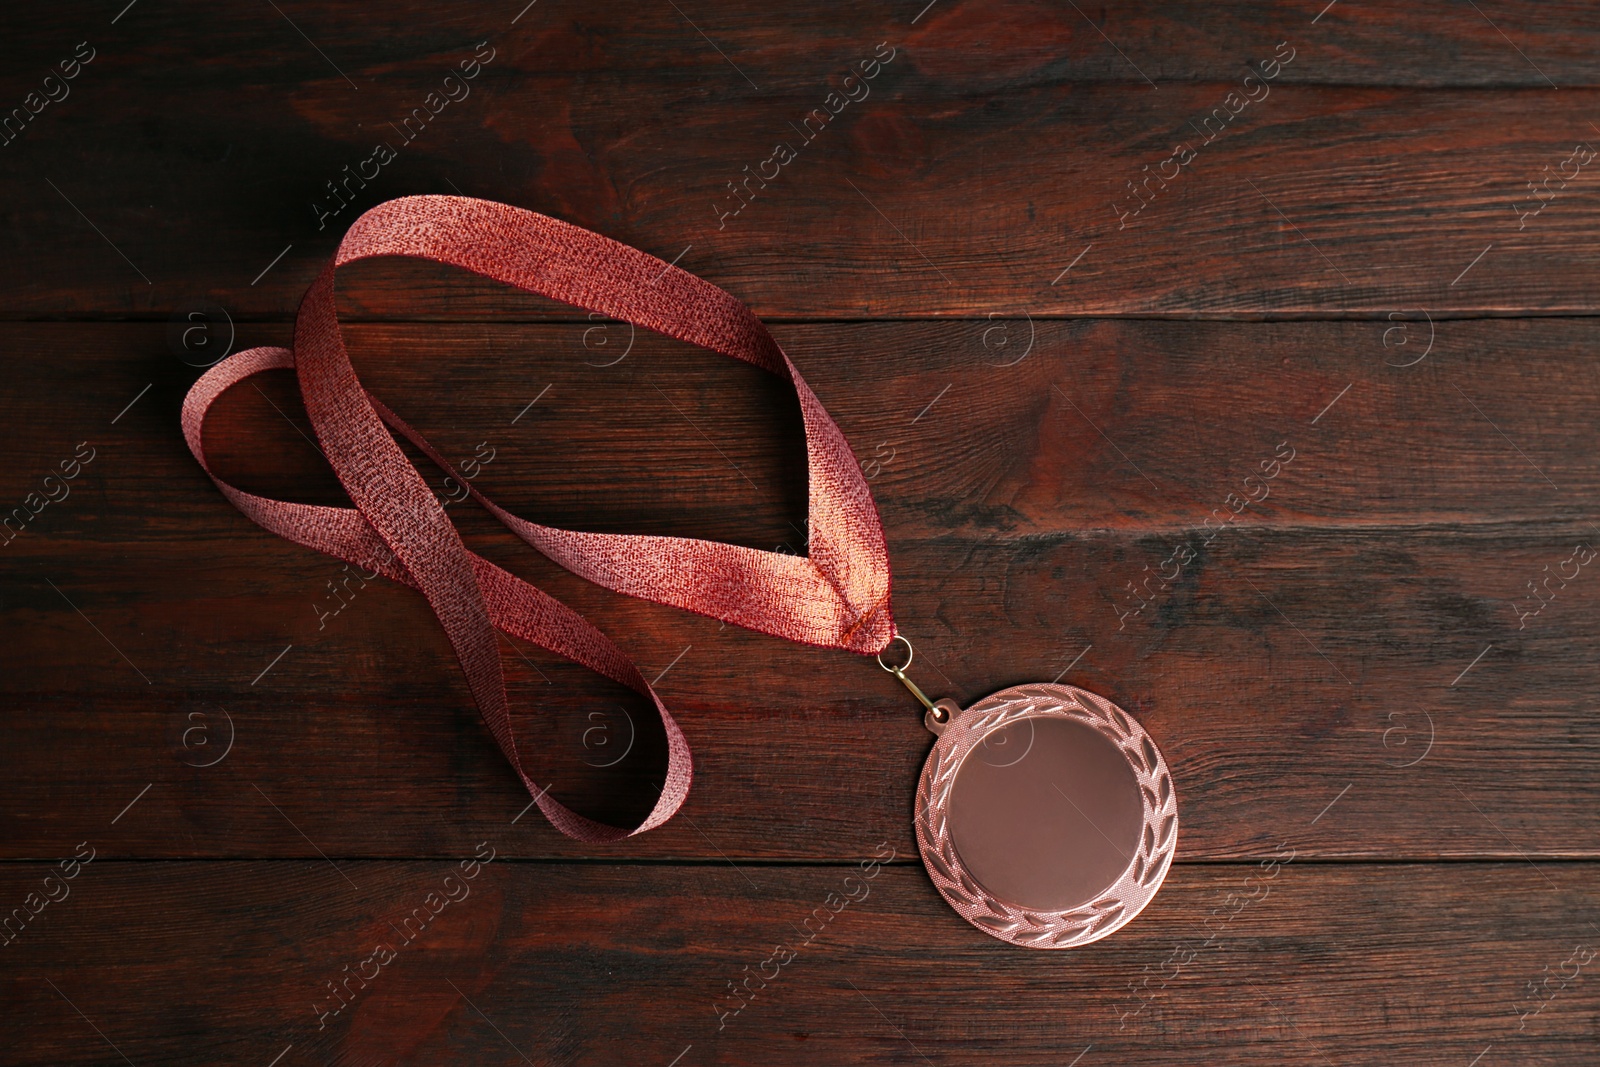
<point x="1045" y="814"/>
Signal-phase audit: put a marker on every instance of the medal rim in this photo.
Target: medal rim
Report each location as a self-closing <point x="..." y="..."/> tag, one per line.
<point x="1115" y="906"/>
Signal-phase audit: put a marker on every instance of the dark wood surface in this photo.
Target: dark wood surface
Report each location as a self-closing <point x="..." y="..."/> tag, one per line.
<point x="1388" y="763"/>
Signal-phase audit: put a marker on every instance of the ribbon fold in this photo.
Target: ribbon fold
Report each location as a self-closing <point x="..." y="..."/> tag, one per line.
<point x="835" y="597"/>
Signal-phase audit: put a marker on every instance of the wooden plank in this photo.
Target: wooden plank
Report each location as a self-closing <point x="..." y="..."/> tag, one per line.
<point x="1347" y="187"/>
<point x="1279" y="961"/>
<point x="1290" y="664"/>
<point x="1023" y="42"/>
<point x="1129" y="425"/>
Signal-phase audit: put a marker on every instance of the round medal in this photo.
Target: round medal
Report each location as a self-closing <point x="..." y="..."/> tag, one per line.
<point x="1045" y="814"/>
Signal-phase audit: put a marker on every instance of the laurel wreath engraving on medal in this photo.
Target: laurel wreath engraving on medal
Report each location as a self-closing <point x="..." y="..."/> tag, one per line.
<point x="1032" y="927"/>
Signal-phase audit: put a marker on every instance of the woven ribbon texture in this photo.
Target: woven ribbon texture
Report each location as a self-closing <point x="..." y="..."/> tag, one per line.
<point x="836" y="597"/>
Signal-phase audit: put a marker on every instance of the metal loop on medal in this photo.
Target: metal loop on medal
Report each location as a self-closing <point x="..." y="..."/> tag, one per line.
<point x="936" y="711"/>
<point x="911" y="654"/>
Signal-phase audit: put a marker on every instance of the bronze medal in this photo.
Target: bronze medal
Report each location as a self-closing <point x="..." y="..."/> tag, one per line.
<point x="1045" y="814"/>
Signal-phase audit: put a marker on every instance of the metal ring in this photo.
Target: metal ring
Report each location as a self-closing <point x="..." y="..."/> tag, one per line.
<point x="911" y="654"/>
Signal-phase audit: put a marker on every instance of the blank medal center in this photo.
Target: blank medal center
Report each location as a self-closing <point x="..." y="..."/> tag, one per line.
<point x="1046" y="813"/>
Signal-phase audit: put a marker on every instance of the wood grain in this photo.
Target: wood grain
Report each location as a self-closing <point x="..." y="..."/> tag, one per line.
<point x="1290" y="962"/>
<point x="1127" y="425"/>
<point x="992" y="151"/>
<point x="1346" y="317"/>
<point x="1289" y="667"/>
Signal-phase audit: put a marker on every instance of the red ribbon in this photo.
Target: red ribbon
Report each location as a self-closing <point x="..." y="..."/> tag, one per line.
<point x="837" y="597"/>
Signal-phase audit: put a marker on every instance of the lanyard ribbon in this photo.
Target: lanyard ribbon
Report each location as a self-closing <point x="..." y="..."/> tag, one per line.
<point x="835" y="597"/>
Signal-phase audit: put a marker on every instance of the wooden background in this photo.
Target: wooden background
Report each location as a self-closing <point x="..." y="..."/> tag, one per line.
<point x="1388" y="763"/>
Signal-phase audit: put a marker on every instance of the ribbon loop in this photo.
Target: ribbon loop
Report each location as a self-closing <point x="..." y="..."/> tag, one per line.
<point x="837" y="597"/>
